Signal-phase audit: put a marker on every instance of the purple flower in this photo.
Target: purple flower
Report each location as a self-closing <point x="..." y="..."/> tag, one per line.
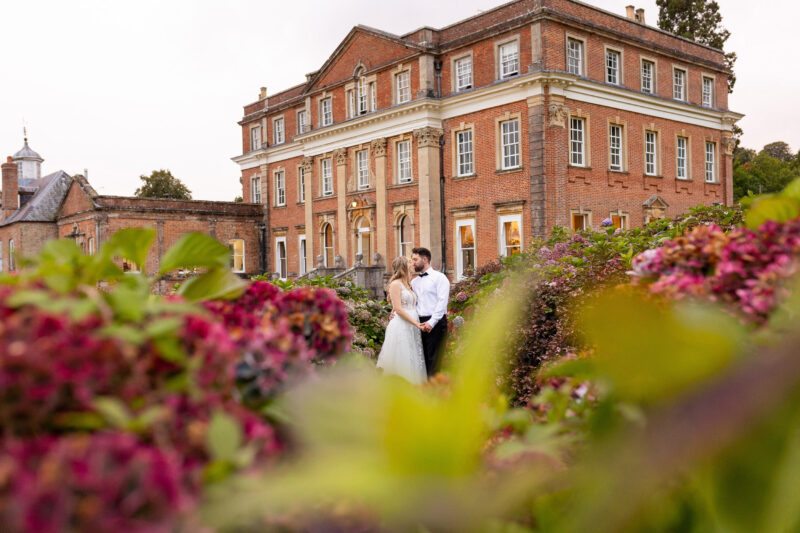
<point x="607" y="222"/>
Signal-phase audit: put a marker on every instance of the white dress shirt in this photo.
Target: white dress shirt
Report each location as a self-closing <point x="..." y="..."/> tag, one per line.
<point x="433" y="293"/>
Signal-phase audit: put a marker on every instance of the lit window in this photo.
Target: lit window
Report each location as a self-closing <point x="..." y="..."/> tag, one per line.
<point x="255" y="190"/>
<point x="280" y="188"/>
<point x="620" y="221"/>
<point x="255" y="138"/>
<point x="302" y="248"/>
<point x="615" y="147"/>
<point x="650" y="164"/>
<point x="509" y="131"/>
<point x="326" y="111"/>
<point x="327" y="245"/>
<point x="710" y="160"/>
<point x="681" y="158"/>
<point x="679" y="84"/>
<point x="301" y="122"/>
<point x="280" y="257"/>
<point x="404" y="162"/>
<point x="403" y="87"/>
<point x="406" y="236"/>
<point x="236" y="246"/>
<point x="128" y="266"/>
<point x="576" y="142"/>
<point x="612" y="67"/>
<point x="465" y="230"/>
<point x="463" y="73"/>
<point x="327" y="177"/>
<point x="708" y="92"/>
<point x="278" y="136"/>
<point x="509" y="60"/>
<point x="580" y="221"/>
<point x="510" y="235"/>
<point x="301" y="184"/>
<point x="575" y="57"/>
<point x="464" y="153"/>
<point x="363" y="169"/>
<point x="647" y="76"/>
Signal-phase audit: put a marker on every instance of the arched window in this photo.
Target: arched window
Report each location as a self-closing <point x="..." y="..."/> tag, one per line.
<point x="280" y="257"/>
<point x="362" y="93"/>
<point x="12" y="266"/>
<point x="406" y="237"/>
<point x="327" y="245"/>
<point x="364" y="243"/>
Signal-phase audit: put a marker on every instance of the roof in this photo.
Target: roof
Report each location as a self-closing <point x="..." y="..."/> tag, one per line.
<point x="43" y="207"/>
<point x="26" y="154"/>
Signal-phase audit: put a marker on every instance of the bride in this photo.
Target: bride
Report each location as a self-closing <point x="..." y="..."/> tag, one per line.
<point x="401" y="354"/>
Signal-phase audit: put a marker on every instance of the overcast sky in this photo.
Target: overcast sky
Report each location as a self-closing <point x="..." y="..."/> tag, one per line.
<point x="122" y="88"/>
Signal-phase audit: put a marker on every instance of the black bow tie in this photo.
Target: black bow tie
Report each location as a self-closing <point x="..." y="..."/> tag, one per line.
<point x="423" y="274"/>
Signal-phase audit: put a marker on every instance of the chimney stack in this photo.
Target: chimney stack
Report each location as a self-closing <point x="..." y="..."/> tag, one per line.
<point x="263" y="93"/>
<point x="10" y="189"/>
<point x="630" y="12"/>
<point x="640" y="15"/>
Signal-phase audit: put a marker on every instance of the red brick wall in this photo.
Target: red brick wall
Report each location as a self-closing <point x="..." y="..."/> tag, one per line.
<point x="75" y="201"/>
<point x="29" y="238"/>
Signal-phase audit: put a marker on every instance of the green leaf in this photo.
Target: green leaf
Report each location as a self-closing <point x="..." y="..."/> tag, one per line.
<point x="113" y="410"/>
<point x="170" y="349"/>
<point x="132" y="244"/>
<point x="792" y="190"/>
<point x="195" y="249"/>
<point x="217" y="284"/>
<point x="128" y="303"/>
<point x="163" y="327"/>
<point x="126" y="333"/>
<point x="224" y="437"/>
<point x="80" y="421"/>
<point x="777" y="208"/>
<point x="61" y="250"/>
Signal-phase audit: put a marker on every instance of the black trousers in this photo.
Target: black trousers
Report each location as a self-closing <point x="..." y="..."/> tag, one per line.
<point x="432" y="343"/>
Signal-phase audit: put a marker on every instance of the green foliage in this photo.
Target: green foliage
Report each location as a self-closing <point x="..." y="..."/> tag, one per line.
<point x="162" y="184"/>
<point x="238" y="200"/>
<point x="779" y="150"/>
<point x="761" y="173"/>
<point x="780" y="207"/>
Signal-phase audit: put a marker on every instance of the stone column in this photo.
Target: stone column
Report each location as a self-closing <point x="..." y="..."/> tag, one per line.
<point x="265" y="199"/>
<point x="538" y="194"/>
<point x="557" y="134"/>
<point x="308" y="169"/>
<point x="378" y="147"/>
<point x="341" y="202"/>
<point x="726" y="167"/>
<point x="430" y="211"/>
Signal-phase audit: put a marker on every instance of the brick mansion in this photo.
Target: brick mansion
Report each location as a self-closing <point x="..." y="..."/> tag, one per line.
<point x="474" y="138"/>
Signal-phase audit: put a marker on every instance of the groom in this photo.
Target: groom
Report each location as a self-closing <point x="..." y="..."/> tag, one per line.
<point x="433" y="291"/>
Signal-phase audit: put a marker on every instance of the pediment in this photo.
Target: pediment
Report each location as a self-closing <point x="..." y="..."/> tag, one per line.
<point x="656" y="201"/>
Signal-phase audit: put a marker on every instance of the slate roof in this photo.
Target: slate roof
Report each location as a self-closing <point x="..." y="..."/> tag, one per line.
<point x="43" y="207"/>
<point x="26" y="153"/>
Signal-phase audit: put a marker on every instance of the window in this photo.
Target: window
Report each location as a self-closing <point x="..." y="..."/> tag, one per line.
<point x="255" y="190"/>
<point x="509" y="132"/>
<point x="620" y="221"/>
<point x="255" y="138"/>
<point x="236" y="246"/>
<point x="327" y="177"/>
<point x="278" y="136"/>
<point x="11" y="259"/>
<point x="575" y="57"/>
<point x="710" y="160"/>
<point x="301" y="184"/>
<point x="301" y="122"/>
<point x="301" y="246"/>
<point x="464" y="153"/>
<point x="681" y="158"/>
<point x="510" y="235"/>
<point x="615" y="147"/>
<point x="364" y="238"/>
<point x="326" y="112"/>
<point x="648" y="68"/>
<point x="580" y="221"/>
<point x="280" y="257"/>
<point x="373" y="97"/>
<point x="363" y="95"/>
<point x="403" y="81"/>
<point x="280" y="188"/>
<point x="406" y="236"/>
<point x="650" y="162"/>
<point x="679" y="84"/>
<point x="91" y="246"/>
<point x="351" y="103"/>
<point x="708" y="92"/>
<point x="129" y="266"/>
<point x="576" y="142"/>
<point x="509" y="59"/>
<point x="465" y="241"/>
<point x="463" y="68"/>
<point x="612" y="67"/>
<point x="404" y="162"/>
<point x="327" y="245"/>
<point x="362" y="168"/>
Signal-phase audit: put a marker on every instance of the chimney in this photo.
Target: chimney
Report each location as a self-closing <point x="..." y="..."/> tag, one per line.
<point x="640" y="15"/>
<point x="630" y="12"/>
<point x="86" y="173"/>
<point x="263" y="93"/>
<point x="10" y="189"/>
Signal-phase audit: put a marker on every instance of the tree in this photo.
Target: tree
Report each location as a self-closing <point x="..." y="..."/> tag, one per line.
<point x="762" y="174"/>
<point x="162" y="184"/>
<point x="699" y="20"/>
<point x="779" y="150"/>
<point x="238" y="199"/>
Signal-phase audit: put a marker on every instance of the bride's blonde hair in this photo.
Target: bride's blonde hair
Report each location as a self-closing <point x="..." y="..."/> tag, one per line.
<point x="400" y="270"/>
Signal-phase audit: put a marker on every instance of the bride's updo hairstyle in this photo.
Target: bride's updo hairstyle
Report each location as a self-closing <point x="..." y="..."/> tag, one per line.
<point x="399" y="268"/>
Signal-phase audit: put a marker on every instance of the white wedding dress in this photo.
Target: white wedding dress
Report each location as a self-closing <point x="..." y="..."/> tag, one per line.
<point x="401" y="353"/>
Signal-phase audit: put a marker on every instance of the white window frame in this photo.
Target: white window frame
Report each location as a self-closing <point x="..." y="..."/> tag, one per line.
<point x="708" y="95"/>
<point x="326" y="111"/>
<point x="711" y="162"/>
<point x="278" y="266"/>
<point x="302" y="255"/>
<point x="326" y="175"/>
<point x="502" y="232"/>
<point x="302" y="121"/>
<point x="362" y="95"/>
<point x="301" y="184"/>
<point x="509" y="144"/>
<point x="362" y="169"/>
<point x="255" y="189"/>
<point x="509" y="64"/>
<point x="404" y="170"/>
<point x="624" y="223"/>
<point x="459" y="248"/>
<point x="90" y="246"/>
<point x="650" y="154"/>
<point x="615" y="153"/>
<point x="403" y="86"/>
<point x="280" y="188"/>
<point x="574" y="142"/>
<point x="325" y="248"/>
<point x="255" y="138"/>
<point x="11" y="260"/>
<point x="465" y="160"/>
<point x="575" y="64"/>
<point x="682" y="159"/>
<point x="278" y="131"/>
<point x="463" y="74"/>
<point x="586" y="217"/>
<point x="679" y="91"/>
<point x="400" y="235"/>
<point x="650" y="87"/>
<point x="233" y="256"/>
<point x="617" y="67"/>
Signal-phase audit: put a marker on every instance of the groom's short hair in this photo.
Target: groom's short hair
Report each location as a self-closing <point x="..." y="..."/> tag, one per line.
<point x="422" y="252"/>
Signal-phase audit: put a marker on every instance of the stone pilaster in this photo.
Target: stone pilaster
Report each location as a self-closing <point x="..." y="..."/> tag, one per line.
<point x="340" y="155"/>
<point x="538" y="195"/>
<point x="308" y="170"/>
<point x="430" y="193"/>
<point x="378" y="147"/>
<point x="557" y="134"/>
<point x="427" y="82"/>
<point x="263" y="171"/>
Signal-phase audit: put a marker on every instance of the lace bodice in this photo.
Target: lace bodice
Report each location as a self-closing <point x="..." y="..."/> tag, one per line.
<point x="408" y="299"/>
